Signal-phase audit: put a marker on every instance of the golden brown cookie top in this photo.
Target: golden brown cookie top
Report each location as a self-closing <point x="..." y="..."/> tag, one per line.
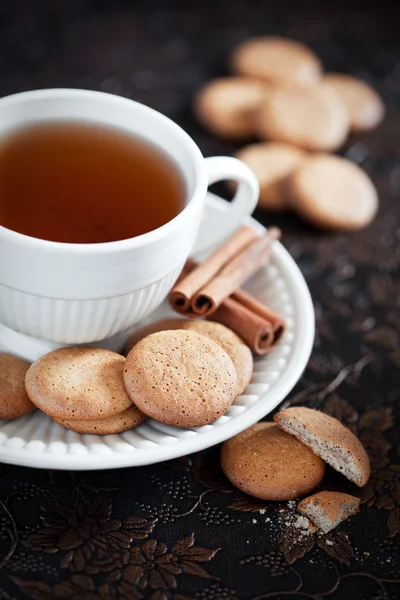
<point x="14" y="401"/>
<point x="313" y="119"/>
<point x="267" y="463"/>
<point x="78" y="383"/>
<point x="233" y="345"/>
<point x="327" y="437"/>
<point x="333" y="193"/>
<point x="180" y="378"/>
<point x="278" y="61"/>
<point x="365" y="106"/>
<point x="227" y="106"/>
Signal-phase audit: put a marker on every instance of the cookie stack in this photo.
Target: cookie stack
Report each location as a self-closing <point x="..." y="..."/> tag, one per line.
<point x="286" y="460"/>
<point x="14" y="401"/>
<point x="280" y="95"/>
<point x="180" y="372"/>
<point x="82" y="389"/>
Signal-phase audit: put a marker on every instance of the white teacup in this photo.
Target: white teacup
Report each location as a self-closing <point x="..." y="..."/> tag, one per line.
<point x="82" y="293"/>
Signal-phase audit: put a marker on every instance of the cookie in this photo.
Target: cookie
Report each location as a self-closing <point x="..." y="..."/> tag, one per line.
<point x="142" y="332"/>
<point x="236" y="349"/>
<point x="14" y="401"/>
<point x="364" y="105"/>
<point x="180" y="378"/>
<point x="271" y="163"/>
<point x="128" y="419"/>
<point x="78" y="383"/>
<point x="327" y="509"/>
<point x="278" y="61"/>
<point x="267" y="463"/>
<point x="226" y="106"/>
<point x="333" y="193"/>
<point x="313" y="119"/>
<point x="329" y="439"/>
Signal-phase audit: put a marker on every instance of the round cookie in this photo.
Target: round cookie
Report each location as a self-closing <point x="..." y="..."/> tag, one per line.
<point x="313" y="119"/>
<point x="277" y="60"/>
<point x="333" y="193"/>
<point x="329" y="439"/>
<point x="78" y="383"/>
<point x="128" y="419"/>
<point x="14" y="401"/>
<point x="162" y="325"/>
<point x="268" y="463"/>
<point x="236" y="349"/>
<point x="226" y="106"/>
<point x="180" y="378"/>
<point x="271" y="163"/>
<point x="365" y="107"/>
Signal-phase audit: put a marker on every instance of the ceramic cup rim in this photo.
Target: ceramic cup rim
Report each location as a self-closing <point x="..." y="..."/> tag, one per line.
<point x="192" y="205"/>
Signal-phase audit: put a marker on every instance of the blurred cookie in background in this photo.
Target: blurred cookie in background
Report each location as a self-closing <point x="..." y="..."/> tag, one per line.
<point x="227" y="106"/>
<point x="365" y="106"/>
<point x="312" y="119"/>
<point x="333" y="193"/>
<point x="278" y="61"/>
<point x="272" y="163"/>
<point x="14" y="401"/>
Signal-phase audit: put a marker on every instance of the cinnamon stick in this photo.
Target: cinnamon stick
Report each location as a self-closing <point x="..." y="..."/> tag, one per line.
<point x="242" y="266"/>
<point x="258" y="308"/>
<point x="258" y="326"/>
<point x="182" y="293"/>
<point x="183" y="308"/>
<point x="258" y="333"/>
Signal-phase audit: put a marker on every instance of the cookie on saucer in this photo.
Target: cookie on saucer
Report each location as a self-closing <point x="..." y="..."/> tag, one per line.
<point x="128" y="419"/>
<point x="161" y="325"/>
<point x="78" y="383"/>
<point x="14" y="401"/>
<point x="180" y="378"/>
<point x="265" y="462"/>
<point x="233" y="345"/>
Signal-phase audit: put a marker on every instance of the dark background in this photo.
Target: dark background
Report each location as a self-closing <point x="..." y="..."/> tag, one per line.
<point x="178" y="531"/>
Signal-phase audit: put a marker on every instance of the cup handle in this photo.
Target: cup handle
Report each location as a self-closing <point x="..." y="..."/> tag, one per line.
<point x="216" y="230"/>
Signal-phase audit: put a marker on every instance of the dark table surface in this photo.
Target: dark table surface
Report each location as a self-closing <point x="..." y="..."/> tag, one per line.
<point x="178" y="530"/>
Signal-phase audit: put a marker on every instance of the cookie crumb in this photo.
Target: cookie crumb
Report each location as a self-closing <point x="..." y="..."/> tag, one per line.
<point x="301" y="522"/>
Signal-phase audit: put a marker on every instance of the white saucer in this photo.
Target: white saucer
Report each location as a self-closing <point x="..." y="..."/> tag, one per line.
<point x="36" y="441"/>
